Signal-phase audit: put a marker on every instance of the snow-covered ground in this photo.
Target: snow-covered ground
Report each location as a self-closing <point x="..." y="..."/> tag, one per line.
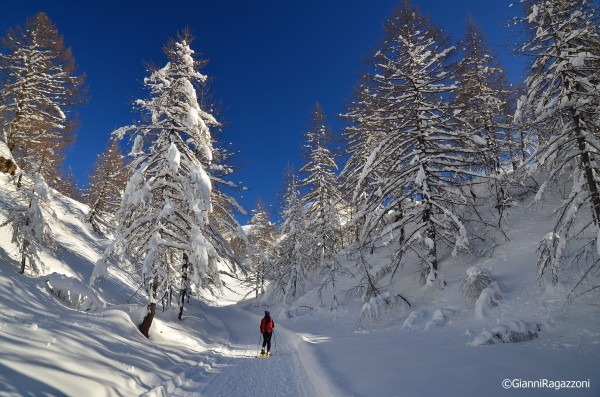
<point x="58" y="337"/>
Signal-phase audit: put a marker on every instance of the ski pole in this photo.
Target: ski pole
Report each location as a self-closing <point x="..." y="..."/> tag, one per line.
<point x="258" y="348"/>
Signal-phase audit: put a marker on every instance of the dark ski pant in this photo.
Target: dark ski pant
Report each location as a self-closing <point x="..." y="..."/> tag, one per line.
<point x="267" y="340"/>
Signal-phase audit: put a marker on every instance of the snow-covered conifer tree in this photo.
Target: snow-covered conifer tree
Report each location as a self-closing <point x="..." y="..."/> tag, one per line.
<point x="38" y="95"/>
<point x="222" y="167"/>
<point x="362" y="136"/>
<point x="106" y="184"/>
<point x="224" y="203"/>
<point x="69" y="186"/>
<point x="322" y="199"/>
<point x="482" y="98"/>
<point x="28" y="220"/>
<point x="479" y="95"/>
<point x="166" y="205"/>
<point x="517" y="144"/>
<point x="421" y="153"/>
<point x="562" y="103"/>
<point x="262" y="247"/>
<point x="293" y="259"/>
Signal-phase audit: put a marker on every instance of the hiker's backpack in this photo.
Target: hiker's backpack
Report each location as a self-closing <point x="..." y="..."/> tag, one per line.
<point x="266" y="325"/>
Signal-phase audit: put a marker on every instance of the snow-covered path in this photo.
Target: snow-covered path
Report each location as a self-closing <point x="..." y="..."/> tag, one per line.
<point x="236" y="371"/>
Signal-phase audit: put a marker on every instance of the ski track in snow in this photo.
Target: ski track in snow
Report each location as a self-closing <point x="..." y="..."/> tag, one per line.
<point x="238" y="371"/>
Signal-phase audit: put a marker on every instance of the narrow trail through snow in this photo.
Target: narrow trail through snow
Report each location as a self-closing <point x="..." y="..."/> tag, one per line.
<point x="236" y="371"/>
<point x="280" y="375"/>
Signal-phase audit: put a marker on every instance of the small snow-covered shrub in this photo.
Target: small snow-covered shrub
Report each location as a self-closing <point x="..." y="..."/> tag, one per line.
<point x="413" y="319"/>
<point x="380" y="307"/>
<point x="488" y="299"/>
<point x="73" y="292"/>
<point x="439" y="318"/>
<point x="434" y="279"/>
<point x="474" y="283"/>
<point x="511" y="332"/>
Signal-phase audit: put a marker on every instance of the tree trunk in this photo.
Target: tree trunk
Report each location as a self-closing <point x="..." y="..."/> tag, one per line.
<point x="147" y="322"/>
<point x="25" y="243"/>
<point x="523" y="149"/>
<point x="430" y="233"/>
<point x="24" y="256"/>
<point x="586" y="165"/>
<point x="144" y="327"/>
<point x="399" y="216"/>
<point x="262" y="278"/>
<point x="184" y="284"/>
<point x="11" y="142"/>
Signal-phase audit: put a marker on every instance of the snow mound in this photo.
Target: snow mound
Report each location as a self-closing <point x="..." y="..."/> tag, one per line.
<point x="440" y="318"/>
<point x="512" y="332"/>
<point x="425" y="321"/>
<point x="381" y="307"/>
<point x="488" y="299"/>
<point x="296" y="311"/>
<point x="413" y="319"/>
<point x="73" y="292"/>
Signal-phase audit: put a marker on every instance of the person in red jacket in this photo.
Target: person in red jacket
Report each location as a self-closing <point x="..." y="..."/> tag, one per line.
<point x="266" y="328"/>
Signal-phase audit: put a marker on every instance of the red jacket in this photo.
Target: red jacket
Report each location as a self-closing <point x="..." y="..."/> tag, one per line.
<point x="267" y="325"/>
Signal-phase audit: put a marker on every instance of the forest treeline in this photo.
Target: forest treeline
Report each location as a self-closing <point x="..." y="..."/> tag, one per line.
<point x="437" y="146"/>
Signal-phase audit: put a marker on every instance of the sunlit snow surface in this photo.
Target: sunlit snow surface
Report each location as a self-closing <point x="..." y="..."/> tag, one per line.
<point x="85" y="342"/>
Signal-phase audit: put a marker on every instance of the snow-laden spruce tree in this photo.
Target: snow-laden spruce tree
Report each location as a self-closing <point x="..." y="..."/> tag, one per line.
<point x="28" y="220"/>
<point x="38" y="93"/>
<point x="166" y="205"/>
<point x="106" y="184"/>
<point x="261" y="247"/>
<point x="293" y="255"/>
<point x="408" y="183"/>
<point x="322" y="199"/>
<point x="562" y="103"/>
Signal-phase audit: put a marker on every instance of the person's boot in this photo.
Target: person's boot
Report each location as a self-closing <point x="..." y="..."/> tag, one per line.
<point x="262" y="352"/>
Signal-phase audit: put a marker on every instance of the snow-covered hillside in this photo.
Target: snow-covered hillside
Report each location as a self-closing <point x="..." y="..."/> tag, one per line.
<point x="59" y="337"/>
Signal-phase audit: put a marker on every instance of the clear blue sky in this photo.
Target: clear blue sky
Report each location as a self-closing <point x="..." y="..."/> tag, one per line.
<point x="270" y="61"/>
